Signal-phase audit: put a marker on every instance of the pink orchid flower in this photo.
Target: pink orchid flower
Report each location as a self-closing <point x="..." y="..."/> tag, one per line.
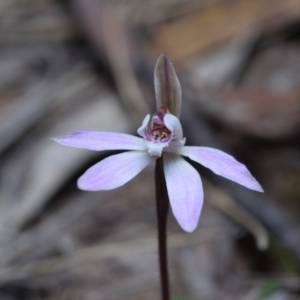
<point x="161" y="135"/>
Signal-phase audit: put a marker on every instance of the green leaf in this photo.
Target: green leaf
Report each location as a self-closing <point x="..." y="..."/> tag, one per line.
<point x="180" y="297"/>
<point x="269" y="288"/>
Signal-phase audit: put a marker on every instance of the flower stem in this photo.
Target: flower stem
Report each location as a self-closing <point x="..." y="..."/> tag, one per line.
<point x="162" y="205"/>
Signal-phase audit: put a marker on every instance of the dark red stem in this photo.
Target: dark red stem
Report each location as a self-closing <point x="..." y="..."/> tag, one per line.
<point x="162" y="205"/>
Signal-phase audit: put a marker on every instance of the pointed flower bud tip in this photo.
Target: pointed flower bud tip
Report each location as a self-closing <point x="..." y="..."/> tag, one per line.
<point x="167" y="86"/>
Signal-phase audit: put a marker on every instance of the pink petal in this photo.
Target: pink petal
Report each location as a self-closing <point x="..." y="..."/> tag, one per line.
<point x="184" y="189"/>
<point x="114" y="171"/>
<point x="222" y="164"/>
<point x="141" y="130"/>
<point x="100" y="140"/>
<point x="174" y="125"/>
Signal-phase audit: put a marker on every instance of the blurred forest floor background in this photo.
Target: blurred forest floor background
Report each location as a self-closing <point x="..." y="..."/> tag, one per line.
<point x="88" y="64"/>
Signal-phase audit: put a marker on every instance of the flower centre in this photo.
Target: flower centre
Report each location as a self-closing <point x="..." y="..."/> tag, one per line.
<point x="158" y="132"/>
